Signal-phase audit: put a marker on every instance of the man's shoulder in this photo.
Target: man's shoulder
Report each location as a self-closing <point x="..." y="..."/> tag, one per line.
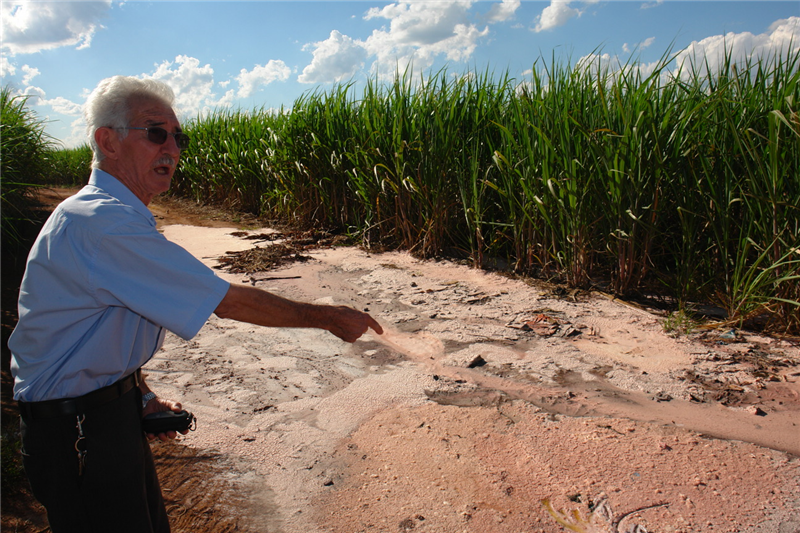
<point x="98" y="208"/>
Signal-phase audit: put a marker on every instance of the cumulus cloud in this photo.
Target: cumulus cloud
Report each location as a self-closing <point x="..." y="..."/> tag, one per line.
<point x="711" y="52"/>
<point x="559" y="12"/>
<point x="7" y="68"/>
<point x="251" y="80"/>
<point x="555" y="15"/>
<point x="30" y="73"/>
<point x="785" y="34"/>
<point x="503" y="11"/>
<point x="418" y="32"/>
<point x="594" y="62"/>
<point x="35" y="95"/>
<point x="193" y="85"/>
<point x="650" y="5"/>
<point x="29" y="27"/>
<point x="65" y="107"/>
<point x="640" y="46"/>
<point x="192" y="82"/>
<point x="335" y="59"/>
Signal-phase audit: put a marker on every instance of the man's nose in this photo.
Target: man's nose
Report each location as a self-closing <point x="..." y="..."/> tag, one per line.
<point x="171" y="147"/>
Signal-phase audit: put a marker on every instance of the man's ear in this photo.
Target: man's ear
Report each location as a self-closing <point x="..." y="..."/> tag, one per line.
<point x="108" y="141"/>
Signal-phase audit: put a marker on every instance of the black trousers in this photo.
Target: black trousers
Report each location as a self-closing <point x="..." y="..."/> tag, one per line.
<point x="116" y="490"/>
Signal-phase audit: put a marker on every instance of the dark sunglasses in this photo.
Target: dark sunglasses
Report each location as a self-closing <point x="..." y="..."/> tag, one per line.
<point x="159" y="136"/>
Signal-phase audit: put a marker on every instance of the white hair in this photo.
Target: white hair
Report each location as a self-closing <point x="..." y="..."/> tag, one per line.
<point x="109" y="105"/>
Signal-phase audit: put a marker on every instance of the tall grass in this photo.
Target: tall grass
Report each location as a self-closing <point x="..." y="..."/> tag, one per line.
<point x="23" y="161"/>
<point x="600" y="175"/>
<point x="69" y="167"/>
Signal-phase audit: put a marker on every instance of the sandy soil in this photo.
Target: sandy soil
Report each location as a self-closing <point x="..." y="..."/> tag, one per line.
<point x="485" y="397"/>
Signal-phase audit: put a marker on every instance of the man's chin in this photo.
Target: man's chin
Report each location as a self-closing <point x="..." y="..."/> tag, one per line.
<point x="161" y="185"/>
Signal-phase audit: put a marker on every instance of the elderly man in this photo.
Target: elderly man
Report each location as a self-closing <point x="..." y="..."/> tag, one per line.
<point x="100" y="288"/>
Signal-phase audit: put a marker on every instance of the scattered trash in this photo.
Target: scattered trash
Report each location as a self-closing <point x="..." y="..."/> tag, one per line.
<point x="260" y="259"/>
<point x="543" y="325"/>
<point x="478" y="361"/>
<point x="662" y="397"/>
<point x="600" y="518"/>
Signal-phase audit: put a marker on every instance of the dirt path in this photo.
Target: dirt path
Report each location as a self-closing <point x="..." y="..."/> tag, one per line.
<point x="485" y="397"/>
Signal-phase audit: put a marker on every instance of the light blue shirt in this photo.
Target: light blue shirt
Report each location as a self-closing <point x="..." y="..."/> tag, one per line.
<point x="100" y="287"/>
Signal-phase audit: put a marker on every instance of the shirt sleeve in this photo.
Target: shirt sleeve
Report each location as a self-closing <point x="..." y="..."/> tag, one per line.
<point x="138" y="268"/>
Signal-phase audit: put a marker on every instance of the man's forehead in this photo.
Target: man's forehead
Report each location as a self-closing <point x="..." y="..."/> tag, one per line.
<point x="152" y="111"/>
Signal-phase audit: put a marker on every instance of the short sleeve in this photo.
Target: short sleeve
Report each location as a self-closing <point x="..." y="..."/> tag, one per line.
<point x="138" y="268"/>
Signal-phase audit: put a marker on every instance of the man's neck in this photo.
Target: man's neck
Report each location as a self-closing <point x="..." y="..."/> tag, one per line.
<point x="119" y="175"/>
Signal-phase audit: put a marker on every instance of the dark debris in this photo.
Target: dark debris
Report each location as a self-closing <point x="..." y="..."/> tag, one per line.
<point x="260" y="259"/>
<point x="264" y="258"/>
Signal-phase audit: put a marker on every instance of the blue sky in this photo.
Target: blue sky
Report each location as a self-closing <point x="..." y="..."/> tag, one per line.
<point x="264" y="54"/>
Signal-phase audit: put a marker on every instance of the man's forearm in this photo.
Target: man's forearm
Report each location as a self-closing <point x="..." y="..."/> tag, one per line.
<point x="255" y="306"/>
<point x="252" y="305"/>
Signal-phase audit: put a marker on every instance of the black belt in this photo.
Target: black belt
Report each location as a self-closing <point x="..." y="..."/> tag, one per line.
<point x="81" y="404"/>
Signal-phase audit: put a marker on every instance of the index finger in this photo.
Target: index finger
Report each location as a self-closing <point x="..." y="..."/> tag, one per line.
<point x="375" y="326"/>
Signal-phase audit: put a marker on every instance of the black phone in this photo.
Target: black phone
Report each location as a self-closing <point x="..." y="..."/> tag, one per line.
<point x="164" y="421"/>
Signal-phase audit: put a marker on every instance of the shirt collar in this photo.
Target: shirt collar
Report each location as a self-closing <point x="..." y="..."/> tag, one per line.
<point x="108" y="183"/>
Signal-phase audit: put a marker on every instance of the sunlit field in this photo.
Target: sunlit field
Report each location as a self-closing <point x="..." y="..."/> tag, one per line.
<point x="684" y="188"/>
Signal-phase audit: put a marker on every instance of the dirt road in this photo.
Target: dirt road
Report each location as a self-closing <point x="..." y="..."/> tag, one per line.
<point x="485" y="397"/>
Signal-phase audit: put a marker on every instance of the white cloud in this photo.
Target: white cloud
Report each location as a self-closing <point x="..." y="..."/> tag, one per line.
<point x="558" y="13"/>
<point x="192" y="84"/>
<point x="251" y="81"/>
<point x="712" y="51"/>
<point x="555" y="15"/>
<point x="30" y="73"/>
<point x="29" y="27"/>
<point x="593" y="62"/>
<point x="419" y="32"/>
<point x="503" y="11"/>
<point x="77" y="134"/>
<point x="647" y="43"/>
<point x="58" y="104"/>
<point x="35" y="95"/>
<point x="335" y="59"/>
<point x="785" y="32"/>
<point x="607" y="66"/>
<point x="7" y="68"/>
<point x="640" y="46"/>
<point x="422" y="23"/>
<point x="65" y="107"/>
<point x="649" y="5"/>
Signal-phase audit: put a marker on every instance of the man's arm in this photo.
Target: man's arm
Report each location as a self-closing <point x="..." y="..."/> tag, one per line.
<point x="255" y="306"/>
